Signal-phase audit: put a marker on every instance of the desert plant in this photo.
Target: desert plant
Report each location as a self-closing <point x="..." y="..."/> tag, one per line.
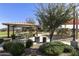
<point x="14" y="48"/>
<point x="13" y="36"/>
<point x="1" y="40"/>
<point x="74" y="53"/>
<point x="29" y="43"/>
<point x="57" y="48"/>
<point x="52" y="48"/>
<point x="17" y="49"/>
<point x="68" y="49"/>
<point x="7" y="46"/>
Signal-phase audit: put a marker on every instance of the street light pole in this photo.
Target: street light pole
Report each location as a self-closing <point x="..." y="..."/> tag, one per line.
<point x="74" y="43"/>
<point x="74" y="23"/>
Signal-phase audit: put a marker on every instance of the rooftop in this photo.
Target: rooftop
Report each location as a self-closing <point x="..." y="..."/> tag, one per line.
<point x="20" y="24"/>
<point x="71" y="21"/>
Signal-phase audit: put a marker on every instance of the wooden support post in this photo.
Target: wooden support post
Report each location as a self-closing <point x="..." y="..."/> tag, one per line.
<point x="8" y="31"/>
<point x="13" y="30"/>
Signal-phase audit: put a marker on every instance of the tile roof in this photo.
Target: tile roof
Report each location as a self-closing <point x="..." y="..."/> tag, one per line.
<point x="71" y="21"/>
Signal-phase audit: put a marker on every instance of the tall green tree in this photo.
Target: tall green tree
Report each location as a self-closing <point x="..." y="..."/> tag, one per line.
<point x="51" y="16"/>
<point x="30" y="20"/>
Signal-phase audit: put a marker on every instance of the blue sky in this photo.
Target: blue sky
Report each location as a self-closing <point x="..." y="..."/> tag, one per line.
<point x="16" y="12"/>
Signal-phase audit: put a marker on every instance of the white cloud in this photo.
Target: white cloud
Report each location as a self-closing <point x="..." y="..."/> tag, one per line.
<point x="2" y="26"/>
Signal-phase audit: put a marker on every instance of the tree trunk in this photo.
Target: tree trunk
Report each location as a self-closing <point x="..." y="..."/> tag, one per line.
<point x="51" y="35"/>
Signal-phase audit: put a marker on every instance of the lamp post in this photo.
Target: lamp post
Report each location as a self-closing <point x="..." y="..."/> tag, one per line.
<point x="74" y="43"/>
<point x="74" y="23"/>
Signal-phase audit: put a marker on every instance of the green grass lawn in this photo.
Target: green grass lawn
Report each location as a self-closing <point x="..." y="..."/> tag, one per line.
<point x="4" y="34"/>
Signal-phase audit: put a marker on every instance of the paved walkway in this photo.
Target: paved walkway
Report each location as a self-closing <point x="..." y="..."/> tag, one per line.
<point x="5" y="54"/>
<point x="33" y="51"/>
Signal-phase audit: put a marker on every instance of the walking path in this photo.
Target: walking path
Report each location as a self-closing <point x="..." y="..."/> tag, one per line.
<point x="35" y="51"/>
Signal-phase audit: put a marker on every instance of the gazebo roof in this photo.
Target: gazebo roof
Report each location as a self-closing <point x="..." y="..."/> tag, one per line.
<point x="19" y="24"/>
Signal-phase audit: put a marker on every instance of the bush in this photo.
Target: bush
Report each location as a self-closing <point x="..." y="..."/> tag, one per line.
<point x="57" y="48"/>
<point x="29" y="43"/>
<point x="74" y="53"/>
<point x="17" y="49"/>
<point x="1" y="40"/>
<point x="7" y="46"/>
<point x="52" y="48"/>
<point x="13" y="36"/>
<point x="68" y="49"/>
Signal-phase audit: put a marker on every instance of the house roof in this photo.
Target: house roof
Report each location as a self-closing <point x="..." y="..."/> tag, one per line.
<point x="71" y="22"/>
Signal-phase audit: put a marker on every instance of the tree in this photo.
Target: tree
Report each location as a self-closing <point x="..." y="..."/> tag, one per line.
<point x="30" y="20"/>
<point x="51" y="16"/>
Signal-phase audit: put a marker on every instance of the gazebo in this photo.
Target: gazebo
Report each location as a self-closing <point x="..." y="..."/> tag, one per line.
<point x="13" y="25"/>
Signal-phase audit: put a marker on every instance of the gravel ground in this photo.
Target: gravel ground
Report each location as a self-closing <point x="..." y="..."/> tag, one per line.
<point x="34" y="48"/>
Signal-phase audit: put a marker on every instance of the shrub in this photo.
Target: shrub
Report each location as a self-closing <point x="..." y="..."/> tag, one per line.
<point x="52" y="48"/>
<point x="68" y="49"/>
<point x="77" y="53"/>
<point x="17" y="49"/>
<point x="14" y="48"/>
<point x="29" y="43"/>
<point x="1" y="40"/>
<point x="56" y="48"/>
<point x="7" y="46"/>
<point x="74" y="53"/>
<point x="13" y="36"/>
